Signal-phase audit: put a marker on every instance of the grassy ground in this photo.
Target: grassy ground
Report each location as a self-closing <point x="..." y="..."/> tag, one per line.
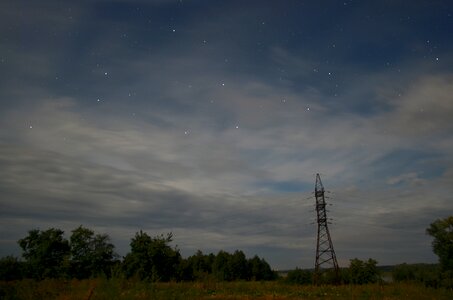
<point x="97" y="289"/>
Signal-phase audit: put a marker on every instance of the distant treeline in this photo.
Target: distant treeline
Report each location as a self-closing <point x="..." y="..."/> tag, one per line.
<point x="86" y="254"/>
<point x="47" y="254"/>
<point x="428" y="274"/>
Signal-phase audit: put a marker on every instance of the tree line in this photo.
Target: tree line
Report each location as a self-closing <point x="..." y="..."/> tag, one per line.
<point x="432" y="275"/>
<point x="359" y="272"/>
<point x="48" y="254"/>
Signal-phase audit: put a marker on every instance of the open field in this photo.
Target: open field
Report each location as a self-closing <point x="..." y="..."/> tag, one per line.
<point x="97" y="289"/>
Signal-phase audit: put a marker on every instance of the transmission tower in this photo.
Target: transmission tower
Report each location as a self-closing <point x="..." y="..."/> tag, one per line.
<point x="325" y="254"/>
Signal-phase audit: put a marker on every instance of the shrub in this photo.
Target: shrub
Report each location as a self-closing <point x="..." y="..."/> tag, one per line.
<point x="299" y="276"/>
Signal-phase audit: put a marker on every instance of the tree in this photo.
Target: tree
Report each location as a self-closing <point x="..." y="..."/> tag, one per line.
<point x="238" y="266"/>
<point x="45" y="252"/>
<point x="227" y="267"/>
<point x="152" y="258"/>
<point x="185" y="271"/>
<point x="221" y="267"/>
<point x="361" y="272"/>
<point x="200" y="264"/>
<point x="91" y="254"/>
<point x="442" y="232"/>
<point x="260" y="270"/>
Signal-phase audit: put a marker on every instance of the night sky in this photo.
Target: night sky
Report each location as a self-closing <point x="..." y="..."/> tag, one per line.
<point x="210" y="119"/>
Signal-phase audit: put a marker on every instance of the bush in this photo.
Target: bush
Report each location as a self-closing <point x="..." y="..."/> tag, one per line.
<point x="430" y="275"/>
<point x="299" y="276"/>
<point x="362" y="272"/>
<point x="11" y="268"/>
<point x="45" y="253"/>
<point x="152" y="258"/>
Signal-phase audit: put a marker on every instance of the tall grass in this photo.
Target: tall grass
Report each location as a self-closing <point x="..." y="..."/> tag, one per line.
<point x="118" y="288"/>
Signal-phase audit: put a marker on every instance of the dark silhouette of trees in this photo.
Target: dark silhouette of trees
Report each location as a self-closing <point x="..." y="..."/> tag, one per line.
<point x="45" y="253"/>
<point x="228" y="267"/>
<point x="239" y="266"/>
<point x="91" y="254"/>
<point x="427" y="274"/>
<point x="198" y="266"/>
<point x="260" y="269"/>
<point x="152" y="258"/>
<point x="362" y="272"/>
<point x="221" y="268"/>
<point x="442" y="232"/>
<point x="11" y="268"/>
<point x="48" y="254"/>
<point x="299" y="276"/>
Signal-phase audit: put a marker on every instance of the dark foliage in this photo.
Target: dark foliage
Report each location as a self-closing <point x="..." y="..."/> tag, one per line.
<point x="442" y="232"/>
<point x="198" y="266"/>
<point x="11" y="268"/>
<point x="424" y="273"/>
<point x="45" y="253"/>
<point x="152" y="258"/>
<point x="91" y="254"/>
<point x="260" y="269"/>
<point x="361" y="272"/>
<point x="299" y="276"/>
<point x="229" y="267"/>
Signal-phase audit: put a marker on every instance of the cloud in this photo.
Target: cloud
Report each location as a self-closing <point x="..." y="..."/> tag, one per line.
<point x="424" y="110"/>
<point x="407" y="177"/>
<point x="82" y="166"/>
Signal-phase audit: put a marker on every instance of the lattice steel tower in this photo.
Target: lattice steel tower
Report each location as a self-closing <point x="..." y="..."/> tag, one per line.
<point x="325" y="254"/>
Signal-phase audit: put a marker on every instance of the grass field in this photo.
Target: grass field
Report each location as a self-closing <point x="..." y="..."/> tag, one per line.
<point x="97" y="289"/>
